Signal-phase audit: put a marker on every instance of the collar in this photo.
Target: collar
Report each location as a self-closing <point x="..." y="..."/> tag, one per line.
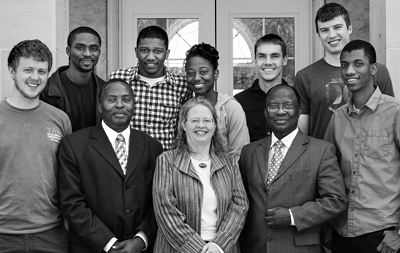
<point x="372" y="103"/>
<point x="112" y="135"/>
<point x="169" y="77"/>
<point x="256" y="85"/>
<point x="287" y="140"/>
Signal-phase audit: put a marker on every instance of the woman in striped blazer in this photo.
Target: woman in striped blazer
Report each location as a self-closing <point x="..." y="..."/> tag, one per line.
<point x="199" y="199"/>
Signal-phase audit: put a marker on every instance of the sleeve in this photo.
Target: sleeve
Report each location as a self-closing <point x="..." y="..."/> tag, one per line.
<point x="188" y="95"/>
<point x="383" y="80"/>
<point x="235" y="216"/>
<point x="330" y="131"/>
<point x="238" y="133"/>
<point x="300" y="84"/>
<point x="72" y="200"/>
<point x="170" y="220"/>
<point x="331" y="191"/>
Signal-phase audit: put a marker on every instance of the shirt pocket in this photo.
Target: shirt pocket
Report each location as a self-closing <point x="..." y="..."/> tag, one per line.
<point x="376" y="143"/>
<point x="168" y="107"/>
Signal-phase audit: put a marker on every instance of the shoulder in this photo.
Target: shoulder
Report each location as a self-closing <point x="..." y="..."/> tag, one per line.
<point x="230" y="102"/>
<point x="253" y="145"/>
<point x="243" y="95"/>
<point x="392" y="100"/>
<point x="147" y="138"/>
<point x="312" y="68"/>
<point x="319" y="145"/>
<point x="54" y="112"/>
<point x="123" y="73"/>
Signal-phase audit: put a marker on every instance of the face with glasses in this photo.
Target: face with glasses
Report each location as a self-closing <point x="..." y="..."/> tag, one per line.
<point x="282" y="111"/>
<point x="199" y="125"/>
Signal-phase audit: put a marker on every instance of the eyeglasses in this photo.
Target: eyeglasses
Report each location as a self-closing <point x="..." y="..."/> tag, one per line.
<point x="285" y="108"/>
<point x="196" y="121"/>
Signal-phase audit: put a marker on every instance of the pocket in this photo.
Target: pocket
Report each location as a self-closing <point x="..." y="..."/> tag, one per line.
<point x="168" y="107"/>
<point x="376" y="144"/>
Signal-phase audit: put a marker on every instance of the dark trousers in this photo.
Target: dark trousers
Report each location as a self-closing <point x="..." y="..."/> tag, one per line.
<point x="52" y="241"/>
<point x="361" y="244"/>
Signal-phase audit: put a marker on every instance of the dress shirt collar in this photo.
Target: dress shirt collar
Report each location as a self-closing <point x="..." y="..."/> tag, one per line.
<point x="372" y="103"/>
<point x="287" y="140"/>
<point x="112" y="135"/>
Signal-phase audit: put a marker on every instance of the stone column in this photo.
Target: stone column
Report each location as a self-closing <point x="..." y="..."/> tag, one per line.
<point x="46" y="20"/>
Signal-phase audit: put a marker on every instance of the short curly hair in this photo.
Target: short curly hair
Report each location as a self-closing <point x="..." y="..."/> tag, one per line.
<point x="205" y="51"/>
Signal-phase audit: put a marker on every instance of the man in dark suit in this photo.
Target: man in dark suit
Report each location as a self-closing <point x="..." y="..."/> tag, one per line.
<point x="105" y="179"/>
<point x="293" y="182"/>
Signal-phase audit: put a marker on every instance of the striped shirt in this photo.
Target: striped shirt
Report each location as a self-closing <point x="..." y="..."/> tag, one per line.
<point x="157" y="107"/>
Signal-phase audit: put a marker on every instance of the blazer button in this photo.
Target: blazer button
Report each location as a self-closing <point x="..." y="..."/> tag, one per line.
<point x="128" y="234"/>
<point x="126" y="187"/>
<point x="269" y="239"/>
<point x="127" y="211"/>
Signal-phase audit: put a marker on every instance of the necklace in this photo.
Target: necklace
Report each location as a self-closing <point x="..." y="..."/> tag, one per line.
<point x="202" y="165"/>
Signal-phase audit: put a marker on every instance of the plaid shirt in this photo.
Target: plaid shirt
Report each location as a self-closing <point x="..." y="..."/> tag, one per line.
<point x="156" y="108"/>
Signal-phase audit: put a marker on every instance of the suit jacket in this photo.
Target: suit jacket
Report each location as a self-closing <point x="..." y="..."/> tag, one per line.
<point x="309" y="182"/>
<point x="97" y="200"/>
<point x="178" y="195"/>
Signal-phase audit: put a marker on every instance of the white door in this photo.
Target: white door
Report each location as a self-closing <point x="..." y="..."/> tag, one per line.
<point x="232" y="26"/>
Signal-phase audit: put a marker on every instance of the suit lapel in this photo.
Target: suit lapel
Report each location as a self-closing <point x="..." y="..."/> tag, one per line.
<point x="262" y="153"/>
<point x="296" y="149"/>
<point x="136" y="148"/>
<point x="102" y="144"/>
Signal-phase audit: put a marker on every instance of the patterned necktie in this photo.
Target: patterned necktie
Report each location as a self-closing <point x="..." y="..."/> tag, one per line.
<point x="120" y="150"/>
<point x="275" y="161"/>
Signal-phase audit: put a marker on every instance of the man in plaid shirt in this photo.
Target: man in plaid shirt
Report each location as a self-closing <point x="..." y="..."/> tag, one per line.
<point x="158" y="93"/>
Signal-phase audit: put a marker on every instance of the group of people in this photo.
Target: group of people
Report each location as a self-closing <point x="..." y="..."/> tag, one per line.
<point x="158" y="162"/>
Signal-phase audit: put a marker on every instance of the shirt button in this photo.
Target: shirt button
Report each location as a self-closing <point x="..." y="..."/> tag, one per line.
<point x="352" y="191"/>
<point x="127" y="211"/>
<point x="354" y="172"/>
<point x="356" y="154"/>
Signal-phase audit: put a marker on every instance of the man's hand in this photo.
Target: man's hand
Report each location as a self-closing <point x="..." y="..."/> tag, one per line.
<point x="326" y="235"/>
<point x="391" y="242"/>
<point x="210" y="248"/>
<point x="134" y="245"/>
<point x="278" y="217"/>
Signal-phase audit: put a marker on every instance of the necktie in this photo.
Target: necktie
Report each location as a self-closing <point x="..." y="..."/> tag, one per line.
<point x="120" y="150"/>
<point x="275" y="161"/>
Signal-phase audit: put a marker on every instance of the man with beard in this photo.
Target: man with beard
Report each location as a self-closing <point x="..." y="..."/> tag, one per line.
<point x="75" y="88"/>
<point x="30" y="217"/>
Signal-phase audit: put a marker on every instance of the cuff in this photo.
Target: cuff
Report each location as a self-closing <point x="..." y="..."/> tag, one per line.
<point x="292" y="222"/>
<point x="110" y="244"/>
<point x="218" y="247"/>
<point x="142" y="236"/>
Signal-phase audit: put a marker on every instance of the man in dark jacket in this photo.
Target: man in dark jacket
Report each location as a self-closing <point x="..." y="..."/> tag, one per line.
<point x="75" y="88"/>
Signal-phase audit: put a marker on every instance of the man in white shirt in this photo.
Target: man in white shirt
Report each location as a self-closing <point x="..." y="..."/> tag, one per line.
<point x="106" y="174"/>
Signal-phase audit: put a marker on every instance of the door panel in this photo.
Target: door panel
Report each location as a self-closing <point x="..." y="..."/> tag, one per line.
<point x="233" y="26"/>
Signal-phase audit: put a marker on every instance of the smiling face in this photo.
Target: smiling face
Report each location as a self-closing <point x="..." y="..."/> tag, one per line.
<point x="334" y="35"/>
<point x="282" y="123"/>
<point x="151" y="54"/>
<point x="357" y="72"/>
<point x="84" y="52"/>
<point x="269" y="62"/>
<point x="199" y="132"/>
<point x="200" y="75"/>
<point x="117" y="106"/>
<point x="30" y="77"/>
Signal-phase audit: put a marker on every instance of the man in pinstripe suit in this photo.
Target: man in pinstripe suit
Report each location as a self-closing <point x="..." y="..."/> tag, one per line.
<point x="292" y="188"/>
